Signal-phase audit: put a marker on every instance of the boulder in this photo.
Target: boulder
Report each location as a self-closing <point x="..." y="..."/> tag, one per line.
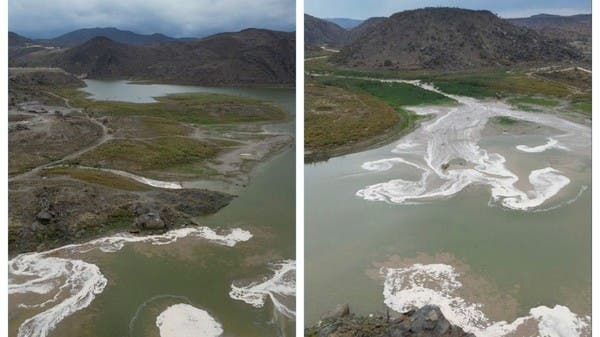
<point x="44" y="217"/>
<point x="150" y="220"/>
<point x="341" y="310"/>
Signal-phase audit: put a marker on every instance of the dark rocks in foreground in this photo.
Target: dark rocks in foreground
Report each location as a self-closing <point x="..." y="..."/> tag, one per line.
<point x="427" y="321"/>
<point x="53" y="212"/>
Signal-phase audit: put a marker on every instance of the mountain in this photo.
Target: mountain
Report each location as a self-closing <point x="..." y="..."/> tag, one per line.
<point x="451" y="39"/>
<point x="16" y="40"/>
<point x="364" y="27"/>
<point x="318" y="32"/>
<point x="251" y="56"/>
<point x="80" y="36"/>
<point x="554" y="21"/>
<point x="345" y="22"/>
<point x="575" y="29"/>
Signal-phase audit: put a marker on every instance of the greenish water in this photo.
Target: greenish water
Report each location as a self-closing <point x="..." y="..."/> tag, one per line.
<point x="144" y="279"/>
<point x="538" y="258"/>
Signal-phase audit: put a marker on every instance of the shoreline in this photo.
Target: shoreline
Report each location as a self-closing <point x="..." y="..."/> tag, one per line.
<point x="389" y="136"/>
<point x="145" y="210"/>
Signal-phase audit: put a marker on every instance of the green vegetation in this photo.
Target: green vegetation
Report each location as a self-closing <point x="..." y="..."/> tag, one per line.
<point x="146" y="127"/>
<point x="98" y="177"/>
<point x="197" y="108"/>
<point x="582" y="102"/>
<point x="120" y="218"/>
<point x="585" y="107"/>
<point x="532" y="90"/>
<point x="335" y="117"/>
<point x="576" y="78"/>
<point x="534" y="101"/>
<point x="343" y="111"/>
<point x="156" y="154"/>
<point x="481" y="85"/>
<point x="504" y="120"/>
<point x="394" y="94"/>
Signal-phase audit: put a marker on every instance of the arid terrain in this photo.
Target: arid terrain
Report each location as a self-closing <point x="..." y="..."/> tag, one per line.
<point x="248" y="57"/>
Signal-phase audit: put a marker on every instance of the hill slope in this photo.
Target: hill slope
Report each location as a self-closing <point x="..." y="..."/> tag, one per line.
<point x="252" y="56"/>
<point x="16" y="40"/>
<point x="450" y="39"/>
<point x="80" y="36"/>
<point x="575" y="29"/>
<point x="364" y="27"/>
<point x="345" y="22"/>
<point x="318" y="32"/>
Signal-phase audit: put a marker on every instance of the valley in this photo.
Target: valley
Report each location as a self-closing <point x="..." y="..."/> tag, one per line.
<point x="106" y="174"/>
<point x="461" y="186"/>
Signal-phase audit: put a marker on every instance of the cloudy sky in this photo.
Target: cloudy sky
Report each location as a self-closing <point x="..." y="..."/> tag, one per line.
<point x="177" y="18"/>
<point x="362" y="9"/>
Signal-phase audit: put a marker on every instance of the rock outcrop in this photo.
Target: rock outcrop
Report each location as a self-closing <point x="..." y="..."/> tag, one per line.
<point x="427" y="321"/>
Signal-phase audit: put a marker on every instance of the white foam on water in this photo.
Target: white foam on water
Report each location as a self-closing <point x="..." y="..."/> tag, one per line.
<point x="454" y="133"/>
<point x="437" y="284"/>
<point x="281" y="284"/>
<point x="184" y="320"/>
<point x="172" y="185"/>
<point x="76" y="280"/>
<point x="74" y="283"/>
<point x="551" y="144"/>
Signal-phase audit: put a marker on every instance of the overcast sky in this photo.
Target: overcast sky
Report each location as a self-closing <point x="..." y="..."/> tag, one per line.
<point x="177" y="18"/>
<point x="363" y="9"/>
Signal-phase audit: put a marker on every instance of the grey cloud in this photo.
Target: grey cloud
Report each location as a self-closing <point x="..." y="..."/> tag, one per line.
<point x="43" y="18"/>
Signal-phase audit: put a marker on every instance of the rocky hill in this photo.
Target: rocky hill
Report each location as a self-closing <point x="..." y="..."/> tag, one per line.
<point x="451" y="39"/>
<point x="365" y="27"/>
<point x="80" y="36"/>
<point x="251" y="56"/>
<point x="575" y="30"/>
<point x="581" y="22"/>
<point x="318" y="32"/>
<point x="345" y="22"/>
<point x="16" y="40"/>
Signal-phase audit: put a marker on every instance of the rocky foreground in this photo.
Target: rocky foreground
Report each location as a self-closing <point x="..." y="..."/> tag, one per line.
<point x="427" y="321"/>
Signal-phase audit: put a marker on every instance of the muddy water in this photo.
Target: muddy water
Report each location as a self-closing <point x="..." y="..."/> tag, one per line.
<point x="393" y="216"/>
<point x="122" y="286"/>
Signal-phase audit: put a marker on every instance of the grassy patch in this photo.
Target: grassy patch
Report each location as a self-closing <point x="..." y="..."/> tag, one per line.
<point x="534" y="101"/>
<point x="98" y="177"/>
<point x="585" y="107"/>
<point x="394" y="94"/>
<point x="348" y="117"/>
<point x="198" y="108"/>
<point x="525" y="107"/>
<point x="504" y="120"/>
<point x="146" y="127"/>
<point x="156" y="154"/>
<point x="336" y="116"/>
<point x="576" y="78"/>
<point x="582" y="102"/>
<point x="344" y="111"/>
<point x="481" y="85"/>
<point x="120" y="218"/>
